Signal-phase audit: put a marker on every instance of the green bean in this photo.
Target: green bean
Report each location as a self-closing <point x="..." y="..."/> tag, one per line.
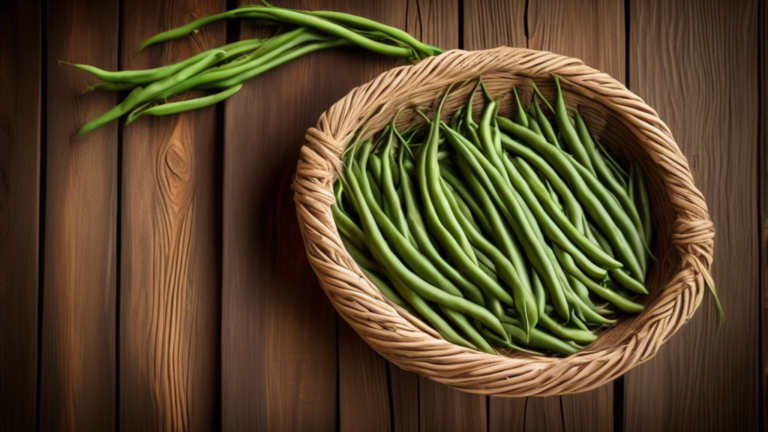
<point x="567" y="131"/>
<point x="600" y="211"/>
<point x="374" y="162"/>
<point x="467" y="199"/>
<point x="150" y="75"/>
<point x="541" y="96"/>
<point x="415" y="260"/>
<point x="482" y="259"/>
<point x="517" y="219"/>
<point x="439" y="216"/>
<point x="539" y="339"/>
<point x="277" y="50"/>
<point x="397" y="34"/>
<point x="287" y="17"/>
<point x="533" y="125"/>
<point x="618" y="275"/>
<point x="539" y="292"/>
<point x="140" y="95"/>
<point x="525" y="156"/>
<point x="602" y="292"/>
<point x="464" y="209"/>
<point x="451" y="246"/>
<point x="182" y="106"/>
<point x="111" y="86"/>
<point x="576" y="335"/>
<point x="640" y="193"/>
<point x="544" y="124"/>
<point x="622" y="220"/>
<point x="503" y="237"/>
<point x="388" y="186"/>
<point x="429" y="314"/>
<point x="424" y="243"/>
<point x="398" y="270"/>
<point x="519" y="116"/>
<point x="508" y="345"/>
<point x="360" y="258"/>
<point x="465" y="326"/>
<point x="606" y="176"/>
<point x="486" y="141"/>
<point x="553" y="228"/>
<point x="388" y="291"/>
<point x="348" y="228"/>
<point x="537" y="193"/>
<point x="611" y="161"/>
<point x="524" y="301"/>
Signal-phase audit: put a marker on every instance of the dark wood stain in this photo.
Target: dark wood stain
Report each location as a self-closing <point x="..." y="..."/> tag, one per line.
<point x="78" y="375"/>
<point x="20" y="76"/>
<point x="694" y="64"/>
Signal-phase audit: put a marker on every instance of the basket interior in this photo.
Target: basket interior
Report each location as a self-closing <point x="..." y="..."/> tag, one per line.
<point x="622" y="140"/>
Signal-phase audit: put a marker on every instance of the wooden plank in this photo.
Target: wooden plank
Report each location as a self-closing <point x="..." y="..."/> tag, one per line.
<point x="170" y="298"/>
<point x="278" y="328"/>
<point x="696" y="64"/>
<point x="404" y="391"/>
<point x="363" y="394"/>
<point x="20" y="62"/>
<point x="443" y="409"/>
<point x="763" y="175"/>
<point x="77" y="382"/>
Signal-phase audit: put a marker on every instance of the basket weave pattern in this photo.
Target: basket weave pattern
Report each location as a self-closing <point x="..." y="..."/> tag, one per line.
<point x="621" y="120"/>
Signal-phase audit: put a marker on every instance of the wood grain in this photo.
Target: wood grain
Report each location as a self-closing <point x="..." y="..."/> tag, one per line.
<point x="278" y="331"/>
<point x="696" y="64"/>
<point x="77" y="381"/>
<point x="763" y="199"/>
<point x="591" y="30"/>
<point x="170" y="295"/>
<point x="404" y="391"/>
<point x="443" y="409"/>
<point x="20" y="63"/>
<point x="363" y="395"/>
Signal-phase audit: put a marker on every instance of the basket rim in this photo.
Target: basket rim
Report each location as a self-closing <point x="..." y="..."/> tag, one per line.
<point x="413" y="346"/>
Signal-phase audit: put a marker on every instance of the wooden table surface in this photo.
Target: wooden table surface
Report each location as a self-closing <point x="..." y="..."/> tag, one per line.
<point x="154" y="277"/>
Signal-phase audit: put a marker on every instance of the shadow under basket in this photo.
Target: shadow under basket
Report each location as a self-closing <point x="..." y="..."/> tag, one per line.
<point x="683" y="233"/>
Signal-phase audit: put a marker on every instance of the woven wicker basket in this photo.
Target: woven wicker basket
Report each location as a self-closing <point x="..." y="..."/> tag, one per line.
<point x="620" y="119"/>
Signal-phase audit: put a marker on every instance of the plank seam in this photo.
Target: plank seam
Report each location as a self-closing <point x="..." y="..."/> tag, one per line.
<point x="762" y="190"/>
<point x="119" y="223"/>
<point x="41" y="207"/>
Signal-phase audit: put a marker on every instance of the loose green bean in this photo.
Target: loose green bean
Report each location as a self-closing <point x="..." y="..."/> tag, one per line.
<point x="139" y="95"/>
<point x="183" y="106"/>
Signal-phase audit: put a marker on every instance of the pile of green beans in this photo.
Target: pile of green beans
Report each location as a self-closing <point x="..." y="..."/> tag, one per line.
<point x="517" y="233"/>
<point x="225" y="69"/>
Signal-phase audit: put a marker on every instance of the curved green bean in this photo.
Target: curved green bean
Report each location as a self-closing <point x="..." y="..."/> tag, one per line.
<point x="517" y="219"/>
<point x="524" y="301"/>
<point x="595" y="207"/>
<point x="140" y="95"/>
<point x="567" y="130"/>
<point x="183" y="106"/>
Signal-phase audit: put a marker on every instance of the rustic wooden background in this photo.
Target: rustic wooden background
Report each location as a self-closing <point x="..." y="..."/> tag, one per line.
<point x="153" y="277"/>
